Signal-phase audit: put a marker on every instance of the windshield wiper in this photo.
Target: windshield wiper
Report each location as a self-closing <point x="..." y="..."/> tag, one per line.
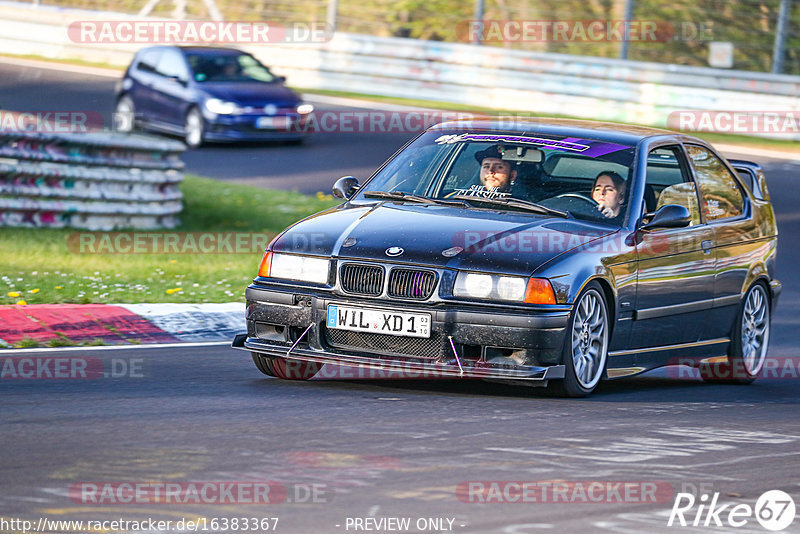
<point x="515" y="203"/>
<point x="411" y="197"/>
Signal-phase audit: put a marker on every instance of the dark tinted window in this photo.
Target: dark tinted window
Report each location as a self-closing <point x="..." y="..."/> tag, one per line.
<point x="721" y="194"/>
<point x="210" y="67"/>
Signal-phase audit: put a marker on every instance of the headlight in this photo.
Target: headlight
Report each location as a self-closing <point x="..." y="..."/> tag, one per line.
<point x="305" y="109"/>
<point x="221" y="107"/>
<point x="292" y="267"/>
<point x="505" y="288"/>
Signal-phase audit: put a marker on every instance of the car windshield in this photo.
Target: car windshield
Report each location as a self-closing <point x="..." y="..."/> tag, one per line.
<point x="552" y="175"/>
<point x="208" y="67"/>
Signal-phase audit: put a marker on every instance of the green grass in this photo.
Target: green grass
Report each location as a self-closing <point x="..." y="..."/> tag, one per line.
<point x="38" y="265"/>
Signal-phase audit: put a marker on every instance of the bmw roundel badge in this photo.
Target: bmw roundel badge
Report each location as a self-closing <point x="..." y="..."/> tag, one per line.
<point x="394" y="251"/>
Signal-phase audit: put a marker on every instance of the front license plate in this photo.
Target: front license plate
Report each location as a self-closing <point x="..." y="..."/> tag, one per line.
<point x="379" y="321"/>
<point x="272" y="123"/>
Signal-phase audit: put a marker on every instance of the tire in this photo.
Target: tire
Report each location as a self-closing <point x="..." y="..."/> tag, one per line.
<point x="194" y="129"/>
<point x="285" y="369"/>
<point x="749" y="341"/>
<point x="124" y="115"/>
<point x="585" y="352"/>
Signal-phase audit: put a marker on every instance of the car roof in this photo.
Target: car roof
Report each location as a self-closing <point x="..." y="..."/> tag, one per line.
<point x="602" y="131"/>
<point x="222" y="51"/>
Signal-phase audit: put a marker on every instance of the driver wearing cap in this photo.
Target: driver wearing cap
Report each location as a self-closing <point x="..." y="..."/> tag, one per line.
<point x="495" y="171"/>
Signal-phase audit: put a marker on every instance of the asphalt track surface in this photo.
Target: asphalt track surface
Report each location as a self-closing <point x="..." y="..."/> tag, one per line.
<point x="307" y="168"/>
<point x="389" y="448"/>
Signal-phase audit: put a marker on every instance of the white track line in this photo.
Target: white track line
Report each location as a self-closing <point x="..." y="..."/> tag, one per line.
<point x="20" y="352"/>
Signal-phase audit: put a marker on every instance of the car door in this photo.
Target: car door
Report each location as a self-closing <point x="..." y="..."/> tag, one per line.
<point x="736" y="234"/>
<point x="143" y="77"/>
<point x="676" y="266"/>
<point x="170" y="91"/>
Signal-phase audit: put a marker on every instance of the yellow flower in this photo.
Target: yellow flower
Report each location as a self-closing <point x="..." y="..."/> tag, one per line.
<point x="59" y="287"/>
<point x="173" y="261"/>
<point x="13" y="294"/>
<point x="21" y="302"/>
<point x="34" y="290"/>
<point x="175" y="290"/>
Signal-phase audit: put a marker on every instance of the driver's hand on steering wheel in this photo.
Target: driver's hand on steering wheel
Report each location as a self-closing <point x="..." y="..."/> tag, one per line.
<point x="605" y="210"/>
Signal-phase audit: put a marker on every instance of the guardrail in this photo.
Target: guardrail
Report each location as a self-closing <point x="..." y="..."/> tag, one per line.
<point x="96" y="181"/>
<point x="480" y="76"/>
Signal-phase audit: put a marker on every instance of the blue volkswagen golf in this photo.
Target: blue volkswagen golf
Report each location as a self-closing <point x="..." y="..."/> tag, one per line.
<point x="208" y="94"/>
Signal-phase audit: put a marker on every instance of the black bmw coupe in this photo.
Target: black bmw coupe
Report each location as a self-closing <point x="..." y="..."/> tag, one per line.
<point x="533" y="251"/>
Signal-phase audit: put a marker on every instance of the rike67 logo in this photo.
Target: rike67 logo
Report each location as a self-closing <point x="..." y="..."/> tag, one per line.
<point x="774" y="510"/>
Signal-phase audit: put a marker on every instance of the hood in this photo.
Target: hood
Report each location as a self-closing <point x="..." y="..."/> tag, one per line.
<point x="251" y="93"/>
<point x="492" y="241"/>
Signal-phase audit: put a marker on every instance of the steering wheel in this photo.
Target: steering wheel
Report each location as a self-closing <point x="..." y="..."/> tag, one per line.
<point x="579" y="196"/>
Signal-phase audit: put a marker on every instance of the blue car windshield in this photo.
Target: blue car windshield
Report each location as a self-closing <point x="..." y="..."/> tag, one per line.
<point x="583" y="177"/>
<point x="227" y="68"/>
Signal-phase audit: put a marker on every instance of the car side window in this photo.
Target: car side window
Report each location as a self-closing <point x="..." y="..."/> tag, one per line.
<point x="148" y="60"/>
<point x="171" y="63"/>
<point x="668" y="181"/>
<point x="722" y="197"/>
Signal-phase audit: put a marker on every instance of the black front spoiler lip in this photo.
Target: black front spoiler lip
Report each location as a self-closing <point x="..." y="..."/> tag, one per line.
<point x="414" y="368"/>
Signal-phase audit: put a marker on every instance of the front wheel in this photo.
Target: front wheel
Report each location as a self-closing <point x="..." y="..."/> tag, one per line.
<point x="585" y="345"/>
<point x="285" y="369"/>
<point x="124" y="115"/>
<point x="749" y="342"/>
<point x="194" y="129"/>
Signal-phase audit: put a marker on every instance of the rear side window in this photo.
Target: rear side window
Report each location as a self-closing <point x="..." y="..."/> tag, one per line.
<point x="669" y="181"/>
<point x="171" y="63"/>
<point x="148" y="60"/>
<point x="721" y="195"/>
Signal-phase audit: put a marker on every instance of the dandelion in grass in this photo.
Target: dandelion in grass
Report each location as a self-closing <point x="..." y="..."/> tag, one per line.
<point x="34" y="291"/>
<point x="21" y="302"/>
<point x="174" y="290"/>
<point x="14" y="294"/>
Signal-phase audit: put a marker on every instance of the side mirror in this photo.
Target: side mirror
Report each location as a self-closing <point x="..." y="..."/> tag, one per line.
<point x="280" y="79"/>
<point x="669" y="216"/>
<point x="345" y="187"/>
<point x="178" y="80"/>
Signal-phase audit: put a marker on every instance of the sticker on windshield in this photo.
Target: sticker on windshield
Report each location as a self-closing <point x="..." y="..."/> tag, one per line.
<point x="585" y="147"/>
<point x="481" y="191"/>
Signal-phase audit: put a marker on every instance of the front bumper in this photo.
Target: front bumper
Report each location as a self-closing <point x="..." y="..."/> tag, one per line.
<point x="489" y="343"/>
<point x="243" y="128"/>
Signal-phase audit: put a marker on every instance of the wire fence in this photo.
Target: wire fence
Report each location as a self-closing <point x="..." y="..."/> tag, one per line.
<point x="754" y="35"/>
